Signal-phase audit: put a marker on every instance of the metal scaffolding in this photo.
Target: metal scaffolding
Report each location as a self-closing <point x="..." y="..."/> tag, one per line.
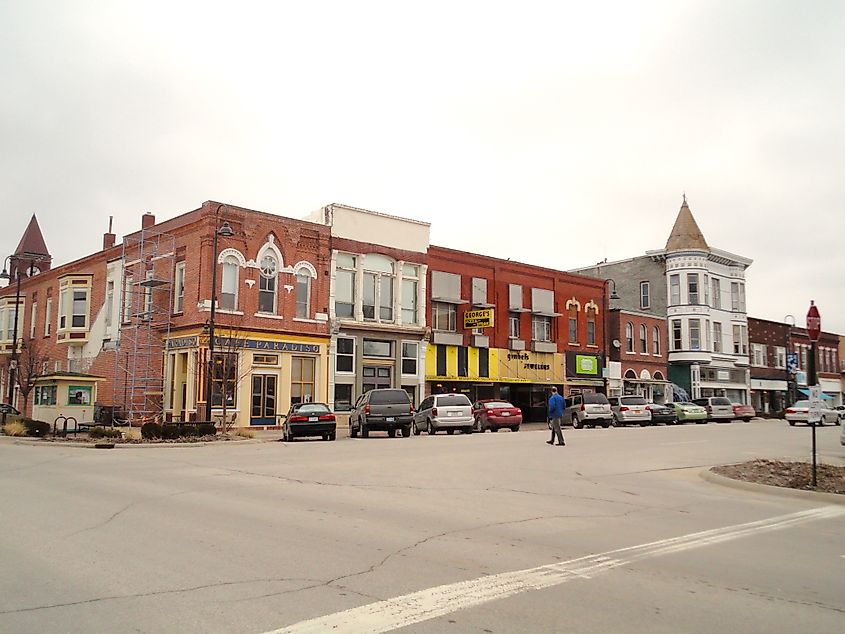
<point x="149" y="259"/>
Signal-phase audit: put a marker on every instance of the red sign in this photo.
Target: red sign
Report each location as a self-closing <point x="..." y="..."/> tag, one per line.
<point x="814" y="322"/>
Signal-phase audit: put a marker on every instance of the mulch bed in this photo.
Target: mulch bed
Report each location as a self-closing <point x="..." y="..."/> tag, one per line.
<point x="792" y="475"/>
<point x="138" y="441"/>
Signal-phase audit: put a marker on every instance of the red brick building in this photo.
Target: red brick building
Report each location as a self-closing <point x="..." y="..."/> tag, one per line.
<point x="132" y="319"/>
<point x="546" y="329"/>
<point x="638" y="354"/>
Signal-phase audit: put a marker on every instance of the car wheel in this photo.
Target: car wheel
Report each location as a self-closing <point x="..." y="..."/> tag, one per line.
<point x="391" y="433"/>
<point x="450" y="431"/>
<point x="515" y="428"/>
<point x="353" y="431"/>
<point x="644" y="423"/>
<point x="416" y="429"/>
<point x="431" y="429"/>
<point x="791" y="423"/>
<point x="332" y="435"/>
<point x="365" y="433"/>
<point x="576" y="423"/>
<point x="493" y="430"/>
<point x="606" y="424"/>
<point x="615" y="421"/>
<point x="406" y="431"/>
<point x="478" y="425"/>
<point x="467" y="430"/>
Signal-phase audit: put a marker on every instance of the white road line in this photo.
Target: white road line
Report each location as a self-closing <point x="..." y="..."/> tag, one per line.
<point x="431" y="603"/>
<point x="685" y="442"/>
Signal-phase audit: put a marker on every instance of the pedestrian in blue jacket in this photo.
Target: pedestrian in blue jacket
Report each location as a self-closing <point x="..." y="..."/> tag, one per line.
<point x="556" y="405"/>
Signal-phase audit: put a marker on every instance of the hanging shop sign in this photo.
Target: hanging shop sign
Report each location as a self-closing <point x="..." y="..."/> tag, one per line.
<point x="583" y="364"/>
<point x="481" y="318"/>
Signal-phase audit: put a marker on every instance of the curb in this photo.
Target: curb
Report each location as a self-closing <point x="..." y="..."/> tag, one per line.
<point x="9" y="440"/>
<point x="819" y="496"/>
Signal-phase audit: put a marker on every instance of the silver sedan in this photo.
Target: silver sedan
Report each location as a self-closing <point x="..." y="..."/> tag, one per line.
<point x="799" y="412"/>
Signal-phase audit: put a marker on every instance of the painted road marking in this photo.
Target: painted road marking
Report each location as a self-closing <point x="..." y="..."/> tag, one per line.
<point x="384" y="616"/>
<point x="685" y="442"/>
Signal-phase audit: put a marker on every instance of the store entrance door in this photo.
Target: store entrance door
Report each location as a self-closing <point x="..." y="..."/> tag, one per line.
<point x="263" y="404"/>
<point x="375" y="376"/>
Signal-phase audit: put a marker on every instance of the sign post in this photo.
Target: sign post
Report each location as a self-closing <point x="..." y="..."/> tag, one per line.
<point x="814" y="329"/>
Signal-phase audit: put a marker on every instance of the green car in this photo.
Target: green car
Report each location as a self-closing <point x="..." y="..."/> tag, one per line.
<point x="689" y="412"/>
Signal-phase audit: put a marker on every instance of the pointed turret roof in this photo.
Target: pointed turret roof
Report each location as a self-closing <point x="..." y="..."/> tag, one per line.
<point x="32" y="240"/>
<point x="686" y="234"/>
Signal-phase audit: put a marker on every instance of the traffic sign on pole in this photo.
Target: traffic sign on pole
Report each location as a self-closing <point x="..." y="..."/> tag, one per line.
<point x="814" y="322"/>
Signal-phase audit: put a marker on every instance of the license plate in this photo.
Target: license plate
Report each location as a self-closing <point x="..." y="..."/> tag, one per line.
<point x="390" y="419"/>
<point x="312" y="419"/>
<point x="453" y="413"/>
<point x="506" y="413"/>
<point x="637" y="411"/>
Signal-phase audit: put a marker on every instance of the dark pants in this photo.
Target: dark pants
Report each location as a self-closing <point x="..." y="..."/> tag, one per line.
<point x="556" y="430"/>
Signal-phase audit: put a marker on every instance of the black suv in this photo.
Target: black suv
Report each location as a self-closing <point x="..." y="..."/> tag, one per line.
<point x="385" y="409"/>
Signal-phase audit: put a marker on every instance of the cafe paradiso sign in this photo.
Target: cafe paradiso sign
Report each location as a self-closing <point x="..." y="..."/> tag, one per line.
<point x="222" y="344"/>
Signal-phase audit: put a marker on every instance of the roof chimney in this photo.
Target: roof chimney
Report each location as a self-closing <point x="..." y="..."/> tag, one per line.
<point x="108" y="238"/>
<point x="147" y="220"/>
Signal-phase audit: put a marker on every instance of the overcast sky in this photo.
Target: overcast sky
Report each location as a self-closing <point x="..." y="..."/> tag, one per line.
<point x="555" y="133"/>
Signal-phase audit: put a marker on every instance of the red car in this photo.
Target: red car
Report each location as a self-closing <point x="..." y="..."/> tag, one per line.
<point x="744" y="412"/>
<point x="494" y="414"/>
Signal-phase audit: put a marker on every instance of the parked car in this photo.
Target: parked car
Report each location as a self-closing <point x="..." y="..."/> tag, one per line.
<point x="744" y="412"/>
<point x="663" y="413"/>
<point x="630" y="409"/>
<point x="495" y="414"/>
<point x="842" y="436"/>
<point x="798" y="412"/>
<point x="588" y="409"/>
<point x="382" y="409"/>
<point x="444" y="411"/>
<point x="688" y="411"/>
<point x="718" y="408"/>
<point x="841" y="410"/>
<point x="309" y="419"/>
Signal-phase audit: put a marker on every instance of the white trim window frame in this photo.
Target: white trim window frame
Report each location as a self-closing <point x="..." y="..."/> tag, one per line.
<point x="643" y="339"/>
<point x="674" y="289"/>
<point x="645" y="295"/>
<point x="629" y="337"/>
<point x="694" y="334"/>
<point x="443" y="317"/>
<point x="345" y="356"/>
<point x="780" y="357"/>
<point x="303" y="295"/>
<point x="267" y="285"/>
<point x="513" y="325"/>
<point x="48" y="310"/>
<point x="692" y="288"/>
<point x="655" y="340"/>
<point x="379" y="273"/>
<point x="410" y="358"/>
<point x="541" y="328"/>
<point x="717" y="292"/>
<point x="346" y="277"/>
<point x="33" y="316"/>
<point x="409" y="286"/>
<point x="179" y="287"/>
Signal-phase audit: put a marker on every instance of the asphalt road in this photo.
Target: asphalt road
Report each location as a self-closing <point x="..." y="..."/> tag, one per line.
<point x="494" y="533"/>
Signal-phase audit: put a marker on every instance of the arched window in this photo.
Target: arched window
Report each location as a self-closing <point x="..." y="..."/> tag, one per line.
<point x="267" y="284"/>
<point x="658" y="376"/>
<point x="655" y="340"/>
<point x="643" y="340"/>
<point x="629" y="337"/>
<point x="229" y="284"/>
<point x="630" y="374"/>
<point x="303" y="295"/>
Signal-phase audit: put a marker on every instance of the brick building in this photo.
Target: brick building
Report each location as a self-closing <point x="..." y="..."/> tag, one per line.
<point x="133" y="318"/>
<point x="547" y="330"/>
<point x="638" y="355"/>
<point x="771" y="386"/>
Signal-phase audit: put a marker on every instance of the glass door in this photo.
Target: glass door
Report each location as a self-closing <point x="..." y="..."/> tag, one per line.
<point x="263" y="402"/>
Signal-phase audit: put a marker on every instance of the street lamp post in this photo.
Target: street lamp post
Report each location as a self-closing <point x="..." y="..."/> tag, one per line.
<point x="225" y="231"/>
<point x="790" y="374"/>
<point x="32" y="258"/>
<point x="605" y="336"/>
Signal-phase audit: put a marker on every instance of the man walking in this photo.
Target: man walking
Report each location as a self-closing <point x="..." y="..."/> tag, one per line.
<point x="555" y="416"/>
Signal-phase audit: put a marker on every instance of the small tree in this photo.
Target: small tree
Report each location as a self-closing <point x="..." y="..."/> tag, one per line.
<point x="31" y="364"/>
<point x="225" y="373"/>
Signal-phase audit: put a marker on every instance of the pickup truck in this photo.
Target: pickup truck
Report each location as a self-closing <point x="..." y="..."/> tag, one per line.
<point x="382" y="409"/>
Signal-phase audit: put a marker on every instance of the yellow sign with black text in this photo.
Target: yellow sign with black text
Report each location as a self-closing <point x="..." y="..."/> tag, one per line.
<point x="481" y="318"/>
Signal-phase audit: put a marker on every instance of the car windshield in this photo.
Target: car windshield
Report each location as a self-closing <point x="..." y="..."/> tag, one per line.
<point x="452" y="399"/>
<point x="313" y="408"/>
<point x="633" y="400"/>
<point x="383" y="397"/>
<point x="596" y="399"/>
<point x="497" y="404"/>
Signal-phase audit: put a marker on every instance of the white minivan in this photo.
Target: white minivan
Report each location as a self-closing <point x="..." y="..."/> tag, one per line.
<point x="444" y="411"/>
<point x="719" y="408"/>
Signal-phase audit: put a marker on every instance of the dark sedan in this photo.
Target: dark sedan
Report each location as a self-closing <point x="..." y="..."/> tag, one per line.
<point x="309" y="419"/>
<point x="662" y="414"/>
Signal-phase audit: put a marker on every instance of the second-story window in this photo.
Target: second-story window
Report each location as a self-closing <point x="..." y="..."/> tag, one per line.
<point x="303" y="295"/>
<point x="674" y="290"/>
<point x="229" y="283"/>
<point x="344" y="299"/>
<point x="513" y="325"/>
<point x="645" y="295"/>
<point x="109" y="303"/>
<point x="179" y="288"/>
<point x="48" y="316"/>
<point x="692" y="288"/>
<point x="80" y="309"/>
<point x="267" y="285"/>
<point x="410" y="281"/>
<point x="655" y="340"/>
<point x="443" y="316"/>
<point x="591" y="331"/>
<point x="643" y="340"/>
<point x="695" y="334"/>
<point x="629" y="337"/>
<point x="717" y="292"/>
<point x="677" y="342"/>
<point x="542" y="327"/>
<point x="379" y="274"/>
<point x="573" y="329"/>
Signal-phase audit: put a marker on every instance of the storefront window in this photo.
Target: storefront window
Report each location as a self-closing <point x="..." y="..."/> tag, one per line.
<point x="342" y="397"/>
<point x="302" y="380"/>
<point x="224" y="379"/>
<point x="345" y="358"/>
